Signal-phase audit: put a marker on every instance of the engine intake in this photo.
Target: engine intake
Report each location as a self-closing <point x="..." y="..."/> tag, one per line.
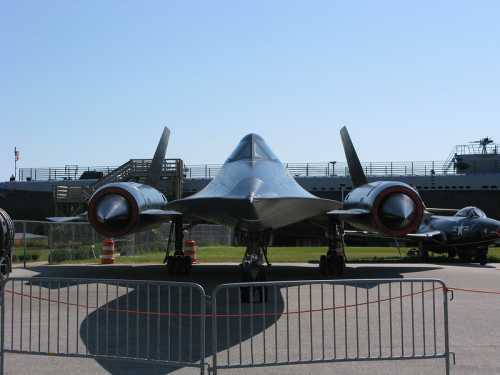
<point x="397" y="211"/>
<point x="115" y="209"/>
<point x="392" y="208"/>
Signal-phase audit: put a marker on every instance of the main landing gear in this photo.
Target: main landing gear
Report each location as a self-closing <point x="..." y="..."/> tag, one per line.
<point x="253" y="268"/>
<point x="178" y="263"/>
<point x="333" y="262"/>
<point x="482" y="255"/>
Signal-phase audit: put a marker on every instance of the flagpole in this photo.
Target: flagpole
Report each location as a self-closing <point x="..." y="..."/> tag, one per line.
<point x="15" y="162"/>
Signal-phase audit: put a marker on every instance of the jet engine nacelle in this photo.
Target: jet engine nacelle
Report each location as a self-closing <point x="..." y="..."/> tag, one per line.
<point x="7" y="233"/>
<point x="392" y="208"/>
<point x="121" y="208"/>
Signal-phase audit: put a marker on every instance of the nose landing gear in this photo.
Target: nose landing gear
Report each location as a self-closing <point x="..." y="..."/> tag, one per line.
<point x="253" y="268"/>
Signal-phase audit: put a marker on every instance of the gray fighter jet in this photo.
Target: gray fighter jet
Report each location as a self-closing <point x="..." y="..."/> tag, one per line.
<point x="255" y="194"/>
<point x="468" y="233"/>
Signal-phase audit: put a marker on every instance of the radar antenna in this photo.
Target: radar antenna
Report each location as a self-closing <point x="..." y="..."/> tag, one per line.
<point x="483" y="142"/>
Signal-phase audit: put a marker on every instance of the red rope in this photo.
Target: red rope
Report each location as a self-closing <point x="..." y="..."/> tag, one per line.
<point x="225" y="315"/>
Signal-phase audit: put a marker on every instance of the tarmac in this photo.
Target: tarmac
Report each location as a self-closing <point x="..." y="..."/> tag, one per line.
<point x="474" y="320"/>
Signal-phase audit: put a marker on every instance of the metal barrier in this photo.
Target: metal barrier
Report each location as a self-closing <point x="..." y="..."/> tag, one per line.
<point x="305" y="322"/>
<point x="252" y="324"/>
<point x="155" y="322"/>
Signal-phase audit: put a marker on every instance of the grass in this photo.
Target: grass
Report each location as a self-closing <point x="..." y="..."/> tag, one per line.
<point x="219" y="254"/>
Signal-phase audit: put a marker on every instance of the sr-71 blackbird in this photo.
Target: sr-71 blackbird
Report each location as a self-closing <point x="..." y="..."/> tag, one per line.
<point x="254" y="194"/>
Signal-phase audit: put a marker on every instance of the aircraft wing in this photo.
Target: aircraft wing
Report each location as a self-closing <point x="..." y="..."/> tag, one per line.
<point x="442" y="211"/>
<point x="426" y="235"/>
<point x="68" y="219"/>
<point x="157" y="212"/>
<point x="365" y="234"/>
<point x="346" y="214"/>
<point x="431" y="235"/>
<point x="83" y="217"/>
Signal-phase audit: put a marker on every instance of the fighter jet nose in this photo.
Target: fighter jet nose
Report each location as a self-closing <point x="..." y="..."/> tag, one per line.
<point x="111" y="208"/>
<point x="397" y="210"/>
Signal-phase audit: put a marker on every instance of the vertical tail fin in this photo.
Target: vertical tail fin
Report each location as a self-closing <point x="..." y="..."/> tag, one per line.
<point x="355" y="169"/>
<point x="154" y="174"/>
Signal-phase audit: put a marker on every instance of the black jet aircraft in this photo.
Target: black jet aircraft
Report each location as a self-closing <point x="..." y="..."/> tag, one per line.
<point x="254" y="194"/>
<point x="468" y="233"/>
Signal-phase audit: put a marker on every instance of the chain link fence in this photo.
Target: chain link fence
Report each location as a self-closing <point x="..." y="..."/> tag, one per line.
<point x="55" y="242"/>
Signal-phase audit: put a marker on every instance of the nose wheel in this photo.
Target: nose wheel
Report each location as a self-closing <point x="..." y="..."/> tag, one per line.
<point x="253" y="269"/>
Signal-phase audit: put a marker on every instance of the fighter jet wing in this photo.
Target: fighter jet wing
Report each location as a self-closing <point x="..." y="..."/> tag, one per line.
<point x="68" y="219"/>
<point x="442" y="211"/>
<point x="412" y="236"/>
<point x="364" y="234"/>
<point x="346" y="214"/>
<point x="157" y="212"/>
<point x="425" y="235"/>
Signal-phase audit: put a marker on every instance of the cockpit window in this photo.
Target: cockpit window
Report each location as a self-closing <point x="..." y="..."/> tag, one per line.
<point x="242" y="151"/>
<point x="262" y="151"/>
<point x="252" y="147"/>
<point x="470" y="212"/>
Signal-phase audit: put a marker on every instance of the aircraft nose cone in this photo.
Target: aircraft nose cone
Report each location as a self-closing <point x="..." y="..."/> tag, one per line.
<point x="397" y="210"/>
<point x="112" y="207"/>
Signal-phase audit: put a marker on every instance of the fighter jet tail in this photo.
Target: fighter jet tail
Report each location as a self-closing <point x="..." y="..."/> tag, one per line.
<point x="154" y="174"/>
<point x="355" y="169"/>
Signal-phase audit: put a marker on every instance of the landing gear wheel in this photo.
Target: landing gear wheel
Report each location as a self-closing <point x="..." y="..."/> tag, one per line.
<point x="188" y="264"/>
<point x="323" y="265"/>
<point x="332" y="265"/>
<point x="179" y="264"/>
<point x="482" y="256"/>
<point x="465" y="257"/>
<point x="171" y="265"/>
<point x="452" y="254"/>
<point x="253" y="272"/>
<point x="423" y="253"/>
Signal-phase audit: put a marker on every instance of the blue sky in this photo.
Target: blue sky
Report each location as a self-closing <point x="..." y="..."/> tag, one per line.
<point x="93" y="83"/>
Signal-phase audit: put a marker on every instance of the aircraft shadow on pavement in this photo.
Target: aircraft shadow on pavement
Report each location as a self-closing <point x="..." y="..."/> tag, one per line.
<point x="164" y="336"/>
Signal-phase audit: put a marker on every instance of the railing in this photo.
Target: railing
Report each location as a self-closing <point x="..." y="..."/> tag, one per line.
<point x="328" y="169"/>
<point x="134" y="167"/>
<point x="139" y="167"/>
<point x="68" y="172"/>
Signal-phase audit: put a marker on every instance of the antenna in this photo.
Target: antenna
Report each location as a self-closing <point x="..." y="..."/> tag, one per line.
<point x="483" y="142"/>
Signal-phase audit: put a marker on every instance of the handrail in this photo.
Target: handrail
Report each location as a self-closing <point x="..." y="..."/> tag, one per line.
<point x="137" y="168"/>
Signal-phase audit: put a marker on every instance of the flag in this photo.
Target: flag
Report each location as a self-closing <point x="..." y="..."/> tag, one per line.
<point x="16" y="154"/>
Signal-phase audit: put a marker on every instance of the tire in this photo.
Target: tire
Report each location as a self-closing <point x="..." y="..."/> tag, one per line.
<point x="188" y="264"/>
<point x="170" y="265"/>
<point x="323" y="265"/>
<point x="482" y="256"/>
<point x="465" y="257"/>
<point x="424" y="255"/>
<point x="452" y="253"/>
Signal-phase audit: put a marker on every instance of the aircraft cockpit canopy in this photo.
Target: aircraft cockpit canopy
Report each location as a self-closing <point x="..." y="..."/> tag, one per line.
<point x="252" y="147"/>
<point x="470" y="212"/>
